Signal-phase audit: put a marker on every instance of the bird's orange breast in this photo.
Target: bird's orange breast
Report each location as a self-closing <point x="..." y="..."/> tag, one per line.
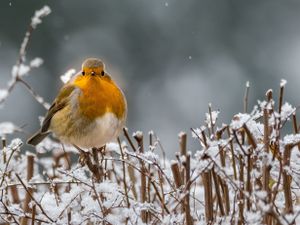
<point x="99" y="96"/>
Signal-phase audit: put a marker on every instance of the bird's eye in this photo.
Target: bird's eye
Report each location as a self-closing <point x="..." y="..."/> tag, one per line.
<point x="102" y="73"/>
<point x="83" y="73"/>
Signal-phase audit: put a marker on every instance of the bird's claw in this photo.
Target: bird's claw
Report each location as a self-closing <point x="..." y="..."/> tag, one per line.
<point x="83" y="158"/>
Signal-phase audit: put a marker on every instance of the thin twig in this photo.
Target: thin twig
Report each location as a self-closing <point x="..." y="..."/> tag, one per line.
<point x="31" y="196"/>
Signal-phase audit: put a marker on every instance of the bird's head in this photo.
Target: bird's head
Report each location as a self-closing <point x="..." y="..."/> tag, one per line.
<point x="93" y="67"/>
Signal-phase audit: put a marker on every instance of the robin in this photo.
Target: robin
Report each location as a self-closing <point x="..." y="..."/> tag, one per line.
<point x="89" y="111"/>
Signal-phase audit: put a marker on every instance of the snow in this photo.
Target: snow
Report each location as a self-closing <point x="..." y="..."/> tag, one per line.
<point x="39" y="14"/>
<point x="269" y="91"/>
<point x="248" y="84"/>
<point x="112" y="147"/>
<point x="48" y="145"/>
<point x="211" y="118"/>
<point x="15" y="144"/>
<point x="283" y="83"/>
<point x="36" y="62"/>
<point x="138" y="134"/>
<point x="291" y="139"/>
<point x="7" y="128"/>
<point x="66" y="77"/>
<point x="197" y="132"/>
<point x="286" y="111"/>
<point x="3" y="94"/>
<point x="239" y="120"/>
<point x="151" y="156"/>
<point x="40" y="100"/>
<point x="254" y="218"/>
<point x="20" y="70"/>
<point x="106" y="187"/>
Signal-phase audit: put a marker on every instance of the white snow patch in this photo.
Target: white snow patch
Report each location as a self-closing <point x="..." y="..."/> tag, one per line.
<point x="36" y="62"/>
<point x="66" y="77"/>
<point x="7" y="128"/>
<point x="20" y="70"/>
<point x="3" y="94"/>
<point x="291" y="139"/>
<point x="239" y="120"/>
<point x="39" y="14"/>
<point x="247" y="84"/>
<point x="211" y="118"/>
<point x="283" y="83"/>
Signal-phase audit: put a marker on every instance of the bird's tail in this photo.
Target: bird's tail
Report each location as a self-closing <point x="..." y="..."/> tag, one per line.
<point x="37" y="138"/>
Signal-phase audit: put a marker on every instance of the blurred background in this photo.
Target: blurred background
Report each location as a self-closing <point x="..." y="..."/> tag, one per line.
<point x="171" y="57"/>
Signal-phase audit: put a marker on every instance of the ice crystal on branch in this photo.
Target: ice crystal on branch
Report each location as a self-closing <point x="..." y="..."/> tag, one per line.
<point x="3" y="94"/>
<point x="67" y="76"/>
<point x="36" y="62"/>
<point x="39" y="14"/>
<point x="8" y="128"/>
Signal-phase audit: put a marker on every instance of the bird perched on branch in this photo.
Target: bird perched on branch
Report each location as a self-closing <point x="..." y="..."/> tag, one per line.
<point x="89" y="111"/>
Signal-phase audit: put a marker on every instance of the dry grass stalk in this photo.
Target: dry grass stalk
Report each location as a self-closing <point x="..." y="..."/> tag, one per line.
<point x="15" y="195"/>
<point x="133" y="180"/>
<point x="33" y="214"/>
<point x="125" y="131"/>
<point x="218" y="192"/>
<point x="208" y="197"/>
<point x="139" y="139"/>
<point x="241" y="192"/>
<point x="187" y="209"/>
<point x="248" y="179"/>
<point x="280" y="98"/>
<point x="295" y="126"/>
<point x="212" y="123"/>
<point x="250" y="137"/>
<point x="124" y="173"/>
<point x="30" y="167"/>
<point x="4" y="149"/>
<point x="176" y="174"/>
<point x="162" y="195"/>
<point x="182" y="143"/>
<point x="287" y="180"/>
<point x="222" y="182"/>
<point x="185" y="175"/>
<point x="246" y="96"/>
<point x="266" y="167"/>
<point x="232" y="154"/>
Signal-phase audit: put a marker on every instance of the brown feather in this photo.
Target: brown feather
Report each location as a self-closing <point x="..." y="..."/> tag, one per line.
<point x="37" y="138"/>
<point x="59" y="103"/>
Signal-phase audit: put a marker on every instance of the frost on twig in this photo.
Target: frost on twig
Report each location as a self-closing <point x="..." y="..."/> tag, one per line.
<point x="67" y="76"/>
<point x="8" y="128"/>
<point x="243" y="172"/>
<point x="39" y="14"/>
<point x="236" y="175"/>
<point x="20" y="69"/>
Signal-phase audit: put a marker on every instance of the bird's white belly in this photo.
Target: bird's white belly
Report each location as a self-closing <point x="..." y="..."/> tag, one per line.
<point x="103" y="130"/>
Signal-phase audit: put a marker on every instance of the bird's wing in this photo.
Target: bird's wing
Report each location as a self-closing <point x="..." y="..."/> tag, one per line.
<point x="59" y="103"/>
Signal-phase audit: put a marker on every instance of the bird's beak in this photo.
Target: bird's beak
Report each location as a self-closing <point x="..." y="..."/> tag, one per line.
<point x="93" y="73"/>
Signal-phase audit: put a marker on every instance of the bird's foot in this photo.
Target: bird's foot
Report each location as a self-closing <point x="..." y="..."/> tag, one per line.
<point x="84" y="156"/>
